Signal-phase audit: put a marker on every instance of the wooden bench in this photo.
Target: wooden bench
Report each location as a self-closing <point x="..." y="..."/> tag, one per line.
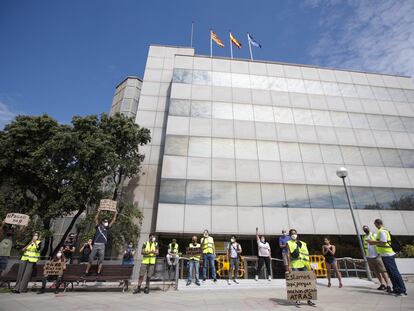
<point x="76" y="273"/>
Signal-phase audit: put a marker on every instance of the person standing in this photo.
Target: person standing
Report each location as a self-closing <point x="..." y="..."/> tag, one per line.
<point x="265" y="255"/>
<point x="283" y="239"/>
<point x="298" y="256"/>
<point x="69" y="247"/>
<point x="85" y="251"/>
<point x="59" y="258"/>
<point x="329" y="251"/>
<point x="5" y="246"/>
<point x="375" y="261"/>
<point x="233" y="254"/>
<point x="30" y="257"/>
<point x="99" y="242"/>
<point x="128" y="257"/>
<point x="194" y="262"/>
<point x="209" y="255"/>
<point x="384" y="249"/>
<point x="149" y="254"/>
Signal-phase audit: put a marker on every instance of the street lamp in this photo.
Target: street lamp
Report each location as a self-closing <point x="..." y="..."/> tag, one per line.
<point x="342" y="173"/>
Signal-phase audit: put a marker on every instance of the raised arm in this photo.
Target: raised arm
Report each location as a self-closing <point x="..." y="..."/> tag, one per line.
<point x="257" y="234"/>
<point x="97" y="218"/>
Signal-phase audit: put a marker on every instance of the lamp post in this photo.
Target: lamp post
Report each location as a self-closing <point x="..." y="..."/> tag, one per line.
<point x="342" y="173"/>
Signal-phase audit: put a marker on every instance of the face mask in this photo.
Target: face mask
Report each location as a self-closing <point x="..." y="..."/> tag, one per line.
<point x="284" y="233"/>
<point x="152" y="239"/>
<point x="366" y="230"/>
<point x="263" y="240"/>
<point x="205" y="235"/>
<point x="194" y="242"/>
<point x="233" y="240"/>
<point x="294" y="236"/>
<point x="58" y="255"/>
<point x="105" y="224"/>
<point x="130" y="245"/>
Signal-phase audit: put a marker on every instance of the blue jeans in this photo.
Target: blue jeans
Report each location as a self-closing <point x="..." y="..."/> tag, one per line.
<point x="209" y="260"/>
<point x="395" y="276"/>
<point x="193" y="264"/>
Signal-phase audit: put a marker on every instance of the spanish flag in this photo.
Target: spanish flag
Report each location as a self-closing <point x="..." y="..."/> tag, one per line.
<point x="235" y="41"/>
<point x="216" y="39"/>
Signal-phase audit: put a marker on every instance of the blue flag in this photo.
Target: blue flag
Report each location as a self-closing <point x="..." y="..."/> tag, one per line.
<point x="253" y="42"/>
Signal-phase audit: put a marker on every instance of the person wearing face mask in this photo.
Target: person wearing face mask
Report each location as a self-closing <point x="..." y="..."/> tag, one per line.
<point x="283" y="239"/>
<point x="193" y="264"/>
<point x="99" y="242"/>
<point x="69" y="247"/>
<point x="85" y="251"/>
<point x="375" y="261"/>
<point x="329" y="251"/>
<point x="233" y="253"/>
<point x="128" y="257"/>
<point x="149" y="257"/>
<point x="298" y="256"/>
<point x="209" y="255"/>
<point x="59" y="258"/>
<point x="173" y="255"/>
<point x="30" y="257"/>
<point x="265" y="255"/>
<point x="5" y="246"/>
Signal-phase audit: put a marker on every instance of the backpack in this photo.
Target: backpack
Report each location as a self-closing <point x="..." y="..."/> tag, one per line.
<point x="395" y="243"/>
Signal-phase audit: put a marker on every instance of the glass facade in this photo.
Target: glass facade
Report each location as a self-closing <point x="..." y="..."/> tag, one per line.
<point x="261" y="142"/>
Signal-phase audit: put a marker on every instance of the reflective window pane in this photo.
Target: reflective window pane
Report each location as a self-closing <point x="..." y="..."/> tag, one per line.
<point x="259" y="82"/>
<point x="340" y="119"/>
<point x="201" y="109"/>
<point x="311" y="153"/>
<point x="277" y="84"/>
<point x="221" y="79"/>
<point x="224" y="193"/>
<point x="283" y="115"/>
<point x="201" y="77"/>
<point x="390" y="157"/>
<point x="240" y="80"/>
<point x="394" y="123"/>
<point x="384" y="197"/>
<point x="289" y="152"/>
<point x="371" y="156"/>
<point x="198" y="192"/>
<point x="302" y="116"/>
<point x="407" y="157"/>
<point x="176" y="145"/>
<point x="404" y="199"/>
<point x="222" y="110"/>
<point x="408" y="123"/>
<point x="182" y="75"/>
<point x="179" y="107"/>
<point x="297" y="196"/>
<point x="358" y="120"/>
<point x="363" y="197"/>
<point x="351" y="155"/>
<point x="245" y="149"/>
<point x="376" y="122"/>
<point x="249" y="194"/>
<point x="320" y="197"/>
<point x="331" y="154"/>
<point x="172" y="191"/>
<point x="273" y="195"/>
<point x="339" y="197"/>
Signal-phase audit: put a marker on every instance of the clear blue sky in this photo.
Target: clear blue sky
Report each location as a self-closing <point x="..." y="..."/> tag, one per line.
<point x="66" y="57"/>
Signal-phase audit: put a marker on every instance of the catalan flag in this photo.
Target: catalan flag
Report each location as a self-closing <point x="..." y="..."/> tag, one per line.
<point x="235" y="41"/>
<point x="216" y="39"/>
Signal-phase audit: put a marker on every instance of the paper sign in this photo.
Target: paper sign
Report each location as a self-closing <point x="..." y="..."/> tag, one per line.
<point x="193" y="251"/>
<point x="17" y="219"/>
<point x="53" y="268"/>
<point x="107" y="205"/>
<point x="301" y="285"/>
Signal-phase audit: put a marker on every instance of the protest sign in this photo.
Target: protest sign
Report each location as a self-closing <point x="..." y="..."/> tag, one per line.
<point x="53" y="268"/>
<point x="107" y="205"/>
<point x="301" y="285"/>
<point x="17" y="219"/>
<point x="193" y="251"/>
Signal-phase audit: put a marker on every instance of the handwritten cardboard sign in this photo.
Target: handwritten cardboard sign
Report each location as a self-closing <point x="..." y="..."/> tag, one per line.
<point x="17" y="219"/>
<point x="301" y="285"/>
<point x="193" y="251"/>
<point x="107" y="205"/>
<point x="53" y="268"/>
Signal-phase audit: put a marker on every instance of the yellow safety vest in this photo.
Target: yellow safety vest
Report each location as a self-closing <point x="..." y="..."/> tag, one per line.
<point x="386" y="249"/>
<point x="303" y="259"/>
<point x="365" y="242"/>
<point x="149" y="259"/>
<point x="173" y="250"/>
<point x="208" y="245"/>
<point x="191" y="245"/>
<point x="31" y="253"/>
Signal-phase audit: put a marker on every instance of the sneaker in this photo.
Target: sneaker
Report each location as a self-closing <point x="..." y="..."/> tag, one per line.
<point x="388" y="289"/>
<point x="310" y="303"/>
<point x="215" y="280"/>
<point x="228" y="282"/>
<point x="269" y="278"/>
<point x="146" y="290"/>
<point x="236" y="281"/>
<point x="56" y="292"/>
<point x="197" y="283"/>
<point x="297" y="303"/>
<point x="382" y="287"/>
<point x="188" y="283"/>
<point x="204" y="279"/>
<point x="137" y="290"/>
<point x="256" y="278"/>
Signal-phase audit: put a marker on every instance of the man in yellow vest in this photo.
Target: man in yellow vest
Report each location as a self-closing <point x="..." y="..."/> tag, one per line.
<point x="172" y="257"/>
<point x="384" y="249"/>
<point x="209" y="255"/>
<point x="374" y="260"/>
<point x="194" y="262"/>
<point x="30" y="256"/>
<point x="149" y="257"/>
<point x="298" y="256"/>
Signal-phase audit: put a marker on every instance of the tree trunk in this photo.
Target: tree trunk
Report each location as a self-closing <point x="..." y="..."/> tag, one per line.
<point x="46" y="226"/>
<point x="72" y="223"/>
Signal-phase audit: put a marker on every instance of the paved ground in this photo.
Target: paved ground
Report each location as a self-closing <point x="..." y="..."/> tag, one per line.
<point x="355" y="295"/>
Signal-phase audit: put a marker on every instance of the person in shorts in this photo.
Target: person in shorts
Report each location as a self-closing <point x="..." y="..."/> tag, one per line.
<point x="149" y="254"/>
<point x="283" y="239"/>
<point x="375" y="262"/>
<point x="99" y="242"/>
<point x="329" y="251"/>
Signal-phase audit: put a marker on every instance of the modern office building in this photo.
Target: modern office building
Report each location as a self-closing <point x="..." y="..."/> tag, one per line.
<point x="239" y="144"/>
<point x="126" y="97"/>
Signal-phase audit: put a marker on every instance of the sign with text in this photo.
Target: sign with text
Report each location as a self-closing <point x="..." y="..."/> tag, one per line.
<point x="193" y="251"/>
<point x="107" y="205"/>
<point x="17" y="219"/>
<point x="301" y="285"/>
<point x="53" y="268"/>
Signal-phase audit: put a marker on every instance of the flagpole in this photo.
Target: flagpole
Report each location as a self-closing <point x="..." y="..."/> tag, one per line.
<point x="231" y="46"/>
<point x="250" y="47"/>
<point x="211" y="45"/>
<point x="192" y="33"/>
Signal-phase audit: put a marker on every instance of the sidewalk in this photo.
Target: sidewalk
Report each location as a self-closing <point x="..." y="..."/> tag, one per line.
<point x="355" y="295"/>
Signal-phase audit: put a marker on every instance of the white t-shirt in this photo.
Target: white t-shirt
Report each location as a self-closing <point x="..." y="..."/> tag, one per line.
<point x="372" y="252"/>
<point x="383" y="238"/>
<point x="264" y="249"/>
